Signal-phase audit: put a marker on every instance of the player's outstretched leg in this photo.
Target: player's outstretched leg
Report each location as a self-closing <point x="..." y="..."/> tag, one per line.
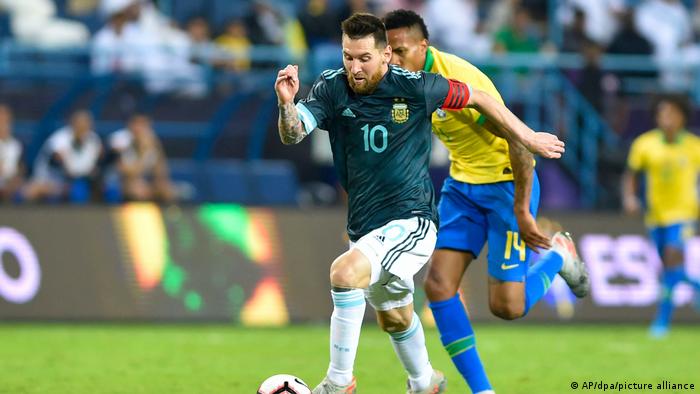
<point x="540" y="276"/>
<point x="669" y="279"/>
<point x="346" y="323"/>
<point x="573" y="270"/>
<point x="457" y="336"/>
<point x="409" y="345"/>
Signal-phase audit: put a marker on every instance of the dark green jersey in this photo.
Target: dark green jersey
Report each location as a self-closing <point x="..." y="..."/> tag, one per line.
<point x="380" y="141"/>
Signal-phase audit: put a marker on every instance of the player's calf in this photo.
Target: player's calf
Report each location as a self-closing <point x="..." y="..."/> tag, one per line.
<point x="506" y="299"/>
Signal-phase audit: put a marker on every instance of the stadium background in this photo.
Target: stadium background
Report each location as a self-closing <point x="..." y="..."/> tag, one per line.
<point x="254" y="226"/>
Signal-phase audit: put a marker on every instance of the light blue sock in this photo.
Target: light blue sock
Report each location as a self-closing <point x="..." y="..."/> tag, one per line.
<point x="670" y="278"/>
<point x="457" y="336"/>
<point x="540" y="276"/>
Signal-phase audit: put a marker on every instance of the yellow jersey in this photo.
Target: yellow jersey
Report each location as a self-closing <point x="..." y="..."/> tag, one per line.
<point x="672" y="171"/>
<point x="476" y="155"/>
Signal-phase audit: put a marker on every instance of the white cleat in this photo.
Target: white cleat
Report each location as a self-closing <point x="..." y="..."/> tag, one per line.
<point x="438" y="382"/>
<point x="573" y="270"/>
<point x="328" y="387"/>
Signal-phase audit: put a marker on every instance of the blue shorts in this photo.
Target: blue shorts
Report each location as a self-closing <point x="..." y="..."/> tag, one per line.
<point x="671" y="236"/>
<point x="470" y="214"/>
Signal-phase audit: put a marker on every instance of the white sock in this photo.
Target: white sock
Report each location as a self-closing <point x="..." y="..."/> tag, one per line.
<point x="410" y="347"/>
<point x="346" y="323"/>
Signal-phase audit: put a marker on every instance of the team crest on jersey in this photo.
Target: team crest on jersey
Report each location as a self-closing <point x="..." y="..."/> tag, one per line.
<point x="399" y="112"/>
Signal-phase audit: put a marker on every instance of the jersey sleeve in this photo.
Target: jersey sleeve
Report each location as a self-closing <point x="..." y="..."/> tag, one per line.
<point x="445" y="93"/>
<point x="316" y="109"/>
<point x="635" y="158"/>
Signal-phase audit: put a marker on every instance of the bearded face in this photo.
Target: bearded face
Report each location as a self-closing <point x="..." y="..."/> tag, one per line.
<point x="364" y="63"/>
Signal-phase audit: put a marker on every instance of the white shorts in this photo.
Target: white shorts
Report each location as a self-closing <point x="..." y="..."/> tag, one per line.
<point x="396" y="251"/>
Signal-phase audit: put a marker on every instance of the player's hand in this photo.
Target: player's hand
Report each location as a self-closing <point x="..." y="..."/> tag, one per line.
<point x="287" y="84"/>
<point x="546" y="145"/>
<point x="530" y="233"/>
<point x="631" y="205"/>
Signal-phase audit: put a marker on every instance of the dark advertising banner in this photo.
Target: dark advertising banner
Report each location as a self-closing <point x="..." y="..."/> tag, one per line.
<point x="258" y="266"/>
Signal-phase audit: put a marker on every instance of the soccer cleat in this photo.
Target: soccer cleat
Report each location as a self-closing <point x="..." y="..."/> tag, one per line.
<point x="328" y="387"/>
<point x="438" y="381"/>
<point x="573" y="270"/>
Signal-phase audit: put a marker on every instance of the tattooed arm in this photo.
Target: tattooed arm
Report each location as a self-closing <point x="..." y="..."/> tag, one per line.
<point x="286" y="86"/>
<point x="290" y="127"/>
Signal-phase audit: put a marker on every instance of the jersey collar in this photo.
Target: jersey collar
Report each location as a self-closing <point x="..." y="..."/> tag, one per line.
<point x="679" y="137"/>
<point x="429" y="60"/>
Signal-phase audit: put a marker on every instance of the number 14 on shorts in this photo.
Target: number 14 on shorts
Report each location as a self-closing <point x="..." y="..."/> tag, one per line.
<point x="513" y="242"/>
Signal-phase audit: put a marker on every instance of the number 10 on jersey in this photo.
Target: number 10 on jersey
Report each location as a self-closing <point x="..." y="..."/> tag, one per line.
<point x="370" y="138"/>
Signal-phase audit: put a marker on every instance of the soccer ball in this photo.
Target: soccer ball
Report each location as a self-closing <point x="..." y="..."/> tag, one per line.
<point x="283" y="384"/>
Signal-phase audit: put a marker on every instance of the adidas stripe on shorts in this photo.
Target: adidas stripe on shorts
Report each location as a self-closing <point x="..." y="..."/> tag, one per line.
<point x="396" y="251"/>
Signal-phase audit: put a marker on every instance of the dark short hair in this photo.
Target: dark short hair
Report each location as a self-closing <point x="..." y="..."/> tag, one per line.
<point x="361" y="25"/>
<point x="405" y="18"/>
<point x="679" y="101"/>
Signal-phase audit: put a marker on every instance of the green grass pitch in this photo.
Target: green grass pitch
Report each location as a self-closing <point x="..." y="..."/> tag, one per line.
<point x="519" y="358"/>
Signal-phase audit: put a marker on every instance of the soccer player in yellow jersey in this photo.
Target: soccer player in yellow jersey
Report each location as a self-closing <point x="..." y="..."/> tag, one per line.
<point x="669" y="156"/>
<point x="492" y="194"/>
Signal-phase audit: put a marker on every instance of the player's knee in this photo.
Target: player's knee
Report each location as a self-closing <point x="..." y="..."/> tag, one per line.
<point x="507" y="309"/>
<point x="395" y="323"/>
<point x="343" y="276"/>
<point x="437" y="287"/>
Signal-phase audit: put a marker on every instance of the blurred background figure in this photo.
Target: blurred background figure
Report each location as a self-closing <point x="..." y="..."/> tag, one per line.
<point x="265" y="24"/>
<point x="141" y="162"/>
<point x="35" y="22"/>
<point x="140" y="41"/>
<point x="669" y="157"/>
<point x="11" y="167"/>
<point x="520" y="36"/>
<point x="235" y="42"/>
<point x="452" y="23"/>
<point x="67" y="166"/>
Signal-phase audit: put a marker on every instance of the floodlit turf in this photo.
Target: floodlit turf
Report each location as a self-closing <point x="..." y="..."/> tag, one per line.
<point x="221" y="359"/>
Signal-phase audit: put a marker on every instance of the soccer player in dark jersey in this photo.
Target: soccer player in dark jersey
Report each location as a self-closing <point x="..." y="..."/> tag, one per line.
<point x="378" y="120"/>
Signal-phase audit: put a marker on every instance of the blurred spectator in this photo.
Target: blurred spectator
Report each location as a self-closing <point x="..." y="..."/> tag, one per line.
<point x="321" y="23"/>
<point x="199" y="34"/>
<point x="538" y="9"/>
<point x="81" y="7"/>
<point x="385" y="6"/>
<point x="11" y="169"/>
<point x="35" y="22"/>
<point x="141" y="162"/>
<point x="575" y="33"/>
<point x="352" y="6"/>
<point x="628" y="41"/>
<point x="235" y="41"/>
<point x="198" y="30"/>
<point x="265" y="24"/>
<point x="452" y="24"/>
<point x="591" y="81"/>
<point x="520" y="37"/>
<point x="667" y="26"/>
<point x="117" y="47"/>
<point x="695" y="16"/>
<point x="601" y="17"/>
<point x="139" y="40"/>
<point x="67" y="163"/>
<point x="500" y="14"/>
